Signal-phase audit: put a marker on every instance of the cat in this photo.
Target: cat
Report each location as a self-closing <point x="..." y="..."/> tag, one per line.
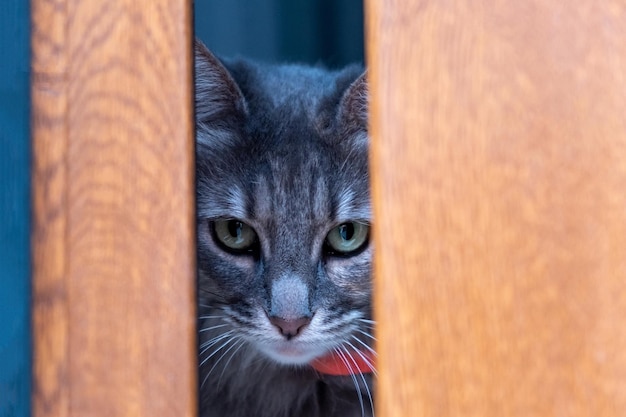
<point x="284" y="252"/>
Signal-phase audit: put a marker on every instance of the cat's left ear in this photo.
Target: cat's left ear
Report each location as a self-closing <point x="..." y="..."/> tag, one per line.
<point x="354" y="104"/>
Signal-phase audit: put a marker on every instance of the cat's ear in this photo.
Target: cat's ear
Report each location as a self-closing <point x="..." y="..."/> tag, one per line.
<point x="217" y="95"/>
<point x="353" y="109"/>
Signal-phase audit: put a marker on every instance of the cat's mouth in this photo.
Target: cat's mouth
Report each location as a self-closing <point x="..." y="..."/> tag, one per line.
<point x="337" y="362"/>
<point x="292" y="352"/>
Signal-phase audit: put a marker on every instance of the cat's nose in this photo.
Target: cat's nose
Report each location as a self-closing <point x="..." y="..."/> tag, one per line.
<point x="290" y="327"/>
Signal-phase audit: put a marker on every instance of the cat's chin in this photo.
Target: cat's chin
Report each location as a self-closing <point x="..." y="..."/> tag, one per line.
<point x="290" y="353"/>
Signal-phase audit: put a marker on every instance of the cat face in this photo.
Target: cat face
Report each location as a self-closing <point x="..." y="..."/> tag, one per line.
<point x="283" y="208"/>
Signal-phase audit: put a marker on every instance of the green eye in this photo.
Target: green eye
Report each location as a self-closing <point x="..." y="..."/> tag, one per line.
<point x="348" y="237"/>
<point x="234" y="235"/>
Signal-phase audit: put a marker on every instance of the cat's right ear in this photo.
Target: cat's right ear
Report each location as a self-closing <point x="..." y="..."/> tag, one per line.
<point x="217" y="96"/>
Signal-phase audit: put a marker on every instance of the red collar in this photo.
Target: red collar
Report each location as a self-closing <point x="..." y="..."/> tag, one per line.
<point x="341" y="364"/>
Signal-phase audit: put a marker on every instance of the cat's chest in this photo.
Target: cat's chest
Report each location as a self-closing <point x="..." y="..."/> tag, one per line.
<point x="258" y="388"/>
<point x="255" y="387"/>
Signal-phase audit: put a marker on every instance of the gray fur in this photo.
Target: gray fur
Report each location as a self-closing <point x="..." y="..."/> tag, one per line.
<point x="283" y="149"/>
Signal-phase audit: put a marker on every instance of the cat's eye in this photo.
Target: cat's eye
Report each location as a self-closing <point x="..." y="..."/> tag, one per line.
<point x="234" y="235"/>
<point x="348" y="238"/>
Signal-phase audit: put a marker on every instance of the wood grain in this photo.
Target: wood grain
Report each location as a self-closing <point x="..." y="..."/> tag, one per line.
<point x="499" y="178"/>
<point x="113" y="205"/>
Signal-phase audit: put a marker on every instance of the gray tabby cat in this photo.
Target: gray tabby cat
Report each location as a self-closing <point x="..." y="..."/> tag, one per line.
<point x="283" y="233"/>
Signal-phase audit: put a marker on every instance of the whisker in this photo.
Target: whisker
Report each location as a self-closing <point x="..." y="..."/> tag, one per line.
<point x="214" y="304"/>
<point x="206" y="329"/>
<point x="226" y="343"/>
<point x="212" y="317"/>
<point x="366" y="334"/>
<point x="362" y="356"/>
<point x="372" y="351"/>
<point x="356" y="383"/>
<point x="207" y="345"/>
<point x="217" y="338"/>
<point x="332" y="327"/>
<point x="232" y="355"/>
<point x="367" y="389"/>
<point x="205" y="291"/>
<point x="221" y="357"/>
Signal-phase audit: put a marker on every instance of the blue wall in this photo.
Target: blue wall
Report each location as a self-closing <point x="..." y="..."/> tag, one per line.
<point x="311" y="31"/>
<point x="14" y="209"/>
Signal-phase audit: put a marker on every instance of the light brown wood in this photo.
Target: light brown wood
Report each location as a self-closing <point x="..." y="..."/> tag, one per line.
<point x="50" y="320"/>
<point x="499" y="180"/>
<point x="114" y="323"/>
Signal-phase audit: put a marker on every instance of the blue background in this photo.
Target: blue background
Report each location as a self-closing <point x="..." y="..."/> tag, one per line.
<point x="14" y="209"/>
<point x="329" y="32"/>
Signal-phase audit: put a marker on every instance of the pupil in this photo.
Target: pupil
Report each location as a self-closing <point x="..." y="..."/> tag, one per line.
<point x="234" y="228"/>
<point x="346" y="231"/>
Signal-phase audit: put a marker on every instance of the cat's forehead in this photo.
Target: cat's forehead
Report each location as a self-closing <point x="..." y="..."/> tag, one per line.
<point x="294" y="175"/>
<point x="298" y="198"/>
<point x="312" y="187"/>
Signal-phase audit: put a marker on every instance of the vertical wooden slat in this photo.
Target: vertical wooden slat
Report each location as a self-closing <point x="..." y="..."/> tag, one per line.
<point x="499" y="178"/>
<point x="113" y="246"/>
<point x="50" y="310"/>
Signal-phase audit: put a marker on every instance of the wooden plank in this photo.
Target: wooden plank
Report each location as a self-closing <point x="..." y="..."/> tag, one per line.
<point x="499" y="178"/>
<point x="113" y="247"/>
<point x="50" y="309"/>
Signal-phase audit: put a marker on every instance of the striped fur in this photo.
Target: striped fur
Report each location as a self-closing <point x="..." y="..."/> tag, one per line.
<point x="284" y="150"/>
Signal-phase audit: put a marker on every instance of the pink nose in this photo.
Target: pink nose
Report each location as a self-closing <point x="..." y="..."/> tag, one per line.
<point x="290" y="327"/>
